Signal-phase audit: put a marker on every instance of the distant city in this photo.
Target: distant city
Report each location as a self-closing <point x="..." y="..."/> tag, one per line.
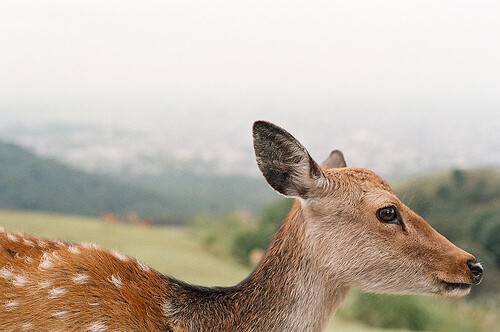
<point x="394" y="150"/>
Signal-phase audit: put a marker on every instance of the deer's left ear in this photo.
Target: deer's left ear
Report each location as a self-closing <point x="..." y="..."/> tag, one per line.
<point x="335" y="160"/>
<point x="284" y="162"/>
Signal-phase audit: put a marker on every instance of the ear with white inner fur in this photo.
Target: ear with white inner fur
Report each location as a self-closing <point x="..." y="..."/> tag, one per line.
<point x="284" y="162"/>
<point x="335" y="160"/>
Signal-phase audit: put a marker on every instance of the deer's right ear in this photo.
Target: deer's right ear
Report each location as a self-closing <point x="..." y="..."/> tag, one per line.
<point x="284" y="162"/>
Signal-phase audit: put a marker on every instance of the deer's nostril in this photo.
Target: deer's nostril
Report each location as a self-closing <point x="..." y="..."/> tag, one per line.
<point x="476" y="269"/>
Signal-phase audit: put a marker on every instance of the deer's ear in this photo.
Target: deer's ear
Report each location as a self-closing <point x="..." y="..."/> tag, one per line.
<point x="335" y="160"/>
<point x="284" y="162"/>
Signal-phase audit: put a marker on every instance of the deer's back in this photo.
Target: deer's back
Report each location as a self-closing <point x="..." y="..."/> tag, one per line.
<point x="54" y="285"/>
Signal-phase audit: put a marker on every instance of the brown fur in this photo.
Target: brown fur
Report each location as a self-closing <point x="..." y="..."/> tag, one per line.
<point x="70" y="288"/>
<point x="331" y="240"/>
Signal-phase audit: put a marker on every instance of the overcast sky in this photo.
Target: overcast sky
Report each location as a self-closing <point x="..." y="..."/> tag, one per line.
<point x="131" y="62"/>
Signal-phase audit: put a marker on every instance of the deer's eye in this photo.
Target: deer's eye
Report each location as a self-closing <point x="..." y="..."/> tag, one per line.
<point x="388" y="215"/>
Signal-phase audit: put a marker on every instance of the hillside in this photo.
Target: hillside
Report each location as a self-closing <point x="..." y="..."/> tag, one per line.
<point x="194" y="193"/>
<point x="30" y="182"/>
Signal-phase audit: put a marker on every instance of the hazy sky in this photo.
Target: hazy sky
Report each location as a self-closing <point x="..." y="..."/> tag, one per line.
<point x="125" y="62"/>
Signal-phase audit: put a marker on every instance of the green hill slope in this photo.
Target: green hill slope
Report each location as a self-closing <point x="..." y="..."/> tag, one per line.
<point x="168" y="250"/>
<point x="29" y="182"/>
<point x="195" y="193"/>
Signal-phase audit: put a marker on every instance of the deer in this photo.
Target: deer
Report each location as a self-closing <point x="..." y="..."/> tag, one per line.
<point x="346" y="228"/>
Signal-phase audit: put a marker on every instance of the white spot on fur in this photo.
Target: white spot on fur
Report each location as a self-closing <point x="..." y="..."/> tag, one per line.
<point x="60" y="314"/>
<point x="12" y="237"/>
<point x="143" y="266"/>
<point x="20" y="280"/>
<point x="28" y="242"/>
<point x="46" y="262"/>
<point x="97" y="327"/>
<point x="28" y="259"/>
<point x="42" y="243"/>
<point x="120" y="256"/>
<point x="116" y="280"/>
<point x="27" y="327"/>
<point x="61" y="244"/>
<point x="56" y="292"/>
<point x="11" y="305"/>
<point x="87" y="245"/>
<point x="55" y="256"/>
<point x="74" y="250"/>
<point x="81" y="278"/>
<point x="6" y="273"/>
<point x="44" y="284"/>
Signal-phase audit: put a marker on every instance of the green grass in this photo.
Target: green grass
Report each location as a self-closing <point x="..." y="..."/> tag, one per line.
<point x="171" y="251"/>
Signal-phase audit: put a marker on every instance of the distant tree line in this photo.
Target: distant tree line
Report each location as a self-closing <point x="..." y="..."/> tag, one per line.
<point x="29" y="182"/>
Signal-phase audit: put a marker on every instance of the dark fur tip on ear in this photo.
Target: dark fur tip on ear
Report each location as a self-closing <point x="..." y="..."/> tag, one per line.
<point x="260" y="124"/>
<point x="335" y="160"/>
<point x="264" y="129"/>
<point x="284" y="162"/>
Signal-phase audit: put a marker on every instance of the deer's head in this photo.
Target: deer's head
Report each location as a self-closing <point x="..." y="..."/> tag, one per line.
<point x="357" y="229"/>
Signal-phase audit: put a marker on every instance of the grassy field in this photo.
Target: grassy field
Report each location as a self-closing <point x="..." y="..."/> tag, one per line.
<point x="170" y="251"/>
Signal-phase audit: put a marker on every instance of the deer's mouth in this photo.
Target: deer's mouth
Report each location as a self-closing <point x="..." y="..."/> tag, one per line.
<point x="453" y="289"/>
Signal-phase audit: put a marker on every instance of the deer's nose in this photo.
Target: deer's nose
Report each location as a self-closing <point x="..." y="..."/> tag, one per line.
<point x="476" y="270"/>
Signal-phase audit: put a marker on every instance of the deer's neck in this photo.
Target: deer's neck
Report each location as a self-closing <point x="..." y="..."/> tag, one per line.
<point x="294" y="291"/>
<point x="286" y="292"/>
